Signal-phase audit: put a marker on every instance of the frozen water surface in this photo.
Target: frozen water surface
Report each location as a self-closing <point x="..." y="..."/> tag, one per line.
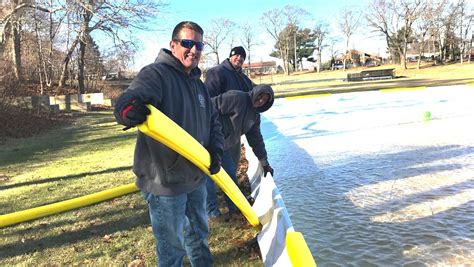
<point x="372" y="178"/>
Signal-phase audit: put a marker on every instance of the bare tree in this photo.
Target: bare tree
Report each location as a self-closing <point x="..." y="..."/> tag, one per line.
<point x="470" y="49"/>
<point x="332" y="50"/>
<point x="321" y="33"/>
<point x="274" y="23"/>
<point x="349" y="25"/>
<point x="112" y="19"/>
<point x="466" y="21"/>
<point x="425" y="24"/>
<point x="12" y="28"/>
<point x="380" y="17"/>
<point x="248" y="39"/>
<point x="410" y="10"/>
<point x="282" y="25"/>
<point x="47" y="26"/>
<point x="217" y="33"/>
<point x="394" y="19"/>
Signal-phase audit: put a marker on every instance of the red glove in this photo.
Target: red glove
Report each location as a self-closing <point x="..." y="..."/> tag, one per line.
<point x="134" y="113"/>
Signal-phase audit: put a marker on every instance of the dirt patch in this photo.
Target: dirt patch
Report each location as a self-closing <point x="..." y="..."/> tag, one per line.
<point x="4" y="178"/>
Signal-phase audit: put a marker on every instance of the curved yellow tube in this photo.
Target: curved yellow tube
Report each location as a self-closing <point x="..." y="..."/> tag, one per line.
<point x="298" y="251"/>
<point x="164" y="130"/>
<point x="30" y="214"/>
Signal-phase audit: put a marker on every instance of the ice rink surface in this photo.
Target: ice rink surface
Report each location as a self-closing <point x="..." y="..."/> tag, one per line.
<point x="378" y="178"/>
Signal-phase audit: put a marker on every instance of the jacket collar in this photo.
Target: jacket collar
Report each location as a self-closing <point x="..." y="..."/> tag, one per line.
<point x="226" y="63"/>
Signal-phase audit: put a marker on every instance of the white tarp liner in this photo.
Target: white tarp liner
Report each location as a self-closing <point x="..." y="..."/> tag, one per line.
<point x="271" y="212"/>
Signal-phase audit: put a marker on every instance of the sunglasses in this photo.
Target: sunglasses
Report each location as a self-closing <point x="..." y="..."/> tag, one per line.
<point x="190" y="43"/>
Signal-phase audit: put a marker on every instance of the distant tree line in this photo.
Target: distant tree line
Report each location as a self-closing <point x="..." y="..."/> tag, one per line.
<point x="55" y="42"/>
<point x="445" y="24"/>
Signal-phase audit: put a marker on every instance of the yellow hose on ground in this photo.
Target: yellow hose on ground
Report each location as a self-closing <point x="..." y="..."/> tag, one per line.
<point x="30" y="214"/>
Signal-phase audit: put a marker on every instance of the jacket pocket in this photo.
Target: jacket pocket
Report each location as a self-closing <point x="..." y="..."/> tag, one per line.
<point x="181" y="171"/>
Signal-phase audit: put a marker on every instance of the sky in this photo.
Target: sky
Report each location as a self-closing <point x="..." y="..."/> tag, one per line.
<point x="242" y="11"/>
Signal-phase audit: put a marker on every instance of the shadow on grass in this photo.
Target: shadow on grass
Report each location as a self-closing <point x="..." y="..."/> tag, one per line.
<point x="53" y="144"/>
<point x="67" y="177"/>
<point x="68" y="237"/>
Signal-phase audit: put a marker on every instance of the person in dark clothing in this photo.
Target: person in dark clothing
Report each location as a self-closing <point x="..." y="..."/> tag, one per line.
<point x="174" y="188"/>
<point x="229" y="76"/>
<point x="239" y="113"/>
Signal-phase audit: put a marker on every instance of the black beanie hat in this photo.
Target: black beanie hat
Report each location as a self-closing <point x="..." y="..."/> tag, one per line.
<point x="238" y="50"/>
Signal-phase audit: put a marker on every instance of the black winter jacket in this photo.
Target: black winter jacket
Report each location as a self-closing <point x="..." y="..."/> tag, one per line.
<point x="224" y="77"/>
<point x="184" y="99"/>
<point x="238" y="117"/>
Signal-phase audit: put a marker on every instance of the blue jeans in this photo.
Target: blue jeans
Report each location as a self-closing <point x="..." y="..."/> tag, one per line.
<point x="180" y="227"/>
<point x="230" y="166"/>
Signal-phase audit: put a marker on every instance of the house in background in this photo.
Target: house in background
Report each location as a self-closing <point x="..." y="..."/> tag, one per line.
<point x="259" y="68"/>
<point x="360" y="58"/>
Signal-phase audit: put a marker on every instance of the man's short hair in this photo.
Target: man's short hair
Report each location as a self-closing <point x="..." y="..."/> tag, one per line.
<point x="186" y="24"/>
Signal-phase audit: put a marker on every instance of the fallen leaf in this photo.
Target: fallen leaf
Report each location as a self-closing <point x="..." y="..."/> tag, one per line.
<point x="107" y="238"/>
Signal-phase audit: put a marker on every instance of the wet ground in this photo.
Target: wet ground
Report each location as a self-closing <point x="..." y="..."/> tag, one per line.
<point x="378" y="178"/>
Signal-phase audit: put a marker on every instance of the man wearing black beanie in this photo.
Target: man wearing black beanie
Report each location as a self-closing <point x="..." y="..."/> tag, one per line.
<point x="228" y="75"/>
<point x="225" y="77"/>
<point x="238" y="50"/>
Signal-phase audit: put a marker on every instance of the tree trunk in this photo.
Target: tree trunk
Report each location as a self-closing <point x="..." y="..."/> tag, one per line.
<point x="319" y="60"/>
<point x="421" y="49"/>
<point x="49" y="68"/>
<point x="345" y="55"/>
<point x="80" y="77"/>
<point x="403" y="54"/>
<point x="39" y="54"/>
<point x="282" y="56"/>
<point x="16" y="48"/>
<point x="65" y="65"/>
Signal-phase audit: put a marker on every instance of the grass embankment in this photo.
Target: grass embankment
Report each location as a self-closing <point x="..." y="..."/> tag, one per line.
<point x="302" y="83"/>
<point x="88" y="155"/>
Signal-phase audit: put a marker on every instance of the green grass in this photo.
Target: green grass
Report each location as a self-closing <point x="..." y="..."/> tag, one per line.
<point x="89" y="155"/>
<point x="309" y="82"/>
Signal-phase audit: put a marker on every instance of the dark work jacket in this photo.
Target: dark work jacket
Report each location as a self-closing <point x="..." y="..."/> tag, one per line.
<point x="224" y="77"/>
<point x="185" y="100"/>
<point x="238" y="117"/>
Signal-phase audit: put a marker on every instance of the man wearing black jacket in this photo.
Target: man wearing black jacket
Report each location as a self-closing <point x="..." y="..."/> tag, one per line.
<point x="239" y="113"/>
<point x="174" y="188"/>
<point x="229" y="76"/>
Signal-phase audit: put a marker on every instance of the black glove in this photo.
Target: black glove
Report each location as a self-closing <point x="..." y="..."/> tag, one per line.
<point x="134" y="113"/>
<point x="215" y="165"/>
<point x="267" y="169"/>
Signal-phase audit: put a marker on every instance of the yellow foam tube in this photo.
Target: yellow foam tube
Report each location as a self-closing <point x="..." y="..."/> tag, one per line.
<point x="164" y="130"/>
<point x="30" y="214"/>
<point x="298" y="251"/>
